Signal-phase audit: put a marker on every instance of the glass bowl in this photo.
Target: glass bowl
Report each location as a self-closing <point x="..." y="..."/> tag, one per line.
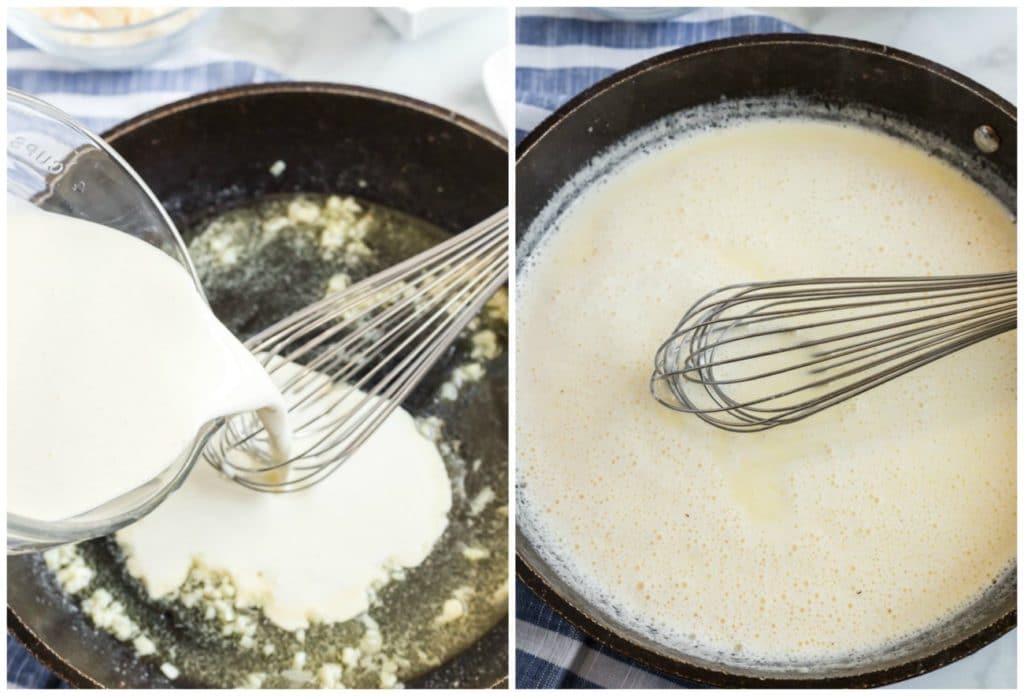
<point x="56" y="165"/>
<point x="124" y="46"/>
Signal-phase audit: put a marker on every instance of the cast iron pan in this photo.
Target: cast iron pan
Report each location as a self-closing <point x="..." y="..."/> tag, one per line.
<point x="840" y="79"/>
<point x="212" y="152"/>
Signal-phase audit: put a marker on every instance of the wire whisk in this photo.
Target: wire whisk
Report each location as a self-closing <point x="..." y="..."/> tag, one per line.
<point x="754" y="356"/>
<point x="346" y="362"/>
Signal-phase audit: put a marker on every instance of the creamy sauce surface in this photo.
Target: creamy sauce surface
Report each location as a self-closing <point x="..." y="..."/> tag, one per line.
<point x="831" y="537"/>
<point x="115" y="362"/>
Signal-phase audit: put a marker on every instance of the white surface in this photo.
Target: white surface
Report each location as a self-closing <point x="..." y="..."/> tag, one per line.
<point x="412" y="22"/>
<point x="357" y="46"/>
<point x="499" y="85"/>
<point x="981" y="43"/>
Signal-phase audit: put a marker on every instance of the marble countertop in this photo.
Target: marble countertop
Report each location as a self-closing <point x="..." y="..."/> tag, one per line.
<point x="981" y="43"/>
<point x="356" y="46"/>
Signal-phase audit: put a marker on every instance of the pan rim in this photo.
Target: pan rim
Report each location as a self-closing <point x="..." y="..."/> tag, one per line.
<point x="606" y="635"/>
<point x="305" y="87"/>
<point x="781" y="39"/>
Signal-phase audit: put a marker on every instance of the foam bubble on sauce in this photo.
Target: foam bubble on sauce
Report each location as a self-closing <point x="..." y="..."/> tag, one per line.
<point x="827" y="538"/>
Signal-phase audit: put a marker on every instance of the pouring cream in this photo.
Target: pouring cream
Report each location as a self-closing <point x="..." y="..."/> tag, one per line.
<point x="115" y="363"/>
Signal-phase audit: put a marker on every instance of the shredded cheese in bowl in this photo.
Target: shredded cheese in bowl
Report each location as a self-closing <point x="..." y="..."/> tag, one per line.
<point x="99" y="17"/>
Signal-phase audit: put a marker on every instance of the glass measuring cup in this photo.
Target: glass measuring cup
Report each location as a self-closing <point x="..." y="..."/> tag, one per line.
<point x="56" y="165"/>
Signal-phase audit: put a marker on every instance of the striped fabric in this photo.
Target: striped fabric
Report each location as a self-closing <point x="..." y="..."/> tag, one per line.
<point x="23" y="672"/>
<point x="559" y="53"/>
<point x="99" y="99"/>
<point x="552" y="654"/>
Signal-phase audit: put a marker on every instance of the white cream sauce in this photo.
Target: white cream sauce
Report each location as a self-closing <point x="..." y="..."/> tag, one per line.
<point x="115" y="362"/>
<point x="830" y="537"/>
<point x="309" y="555"/>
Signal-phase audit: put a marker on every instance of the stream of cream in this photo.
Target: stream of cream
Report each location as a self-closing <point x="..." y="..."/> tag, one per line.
<point x="309" y="555"/>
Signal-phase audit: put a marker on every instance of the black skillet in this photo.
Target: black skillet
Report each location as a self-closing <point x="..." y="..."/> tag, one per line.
<point x="212" y="152"/>
<point x="834" y="78"/>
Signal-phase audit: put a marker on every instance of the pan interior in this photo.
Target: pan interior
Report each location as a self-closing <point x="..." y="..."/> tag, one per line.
<point x="266" y="278"/>
<point x="551" y="564"/>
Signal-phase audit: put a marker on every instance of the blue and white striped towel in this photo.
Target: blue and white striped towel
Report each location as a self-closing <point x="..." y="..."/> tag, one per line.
<point x="559" y="53"/>
<point x="100" y="99"/>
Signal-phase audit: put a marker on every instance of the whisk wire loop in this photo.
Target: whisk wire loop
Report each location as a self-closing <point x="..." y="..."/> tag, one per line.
<point x="346" y="362"/>
<point x="753" y="356"/>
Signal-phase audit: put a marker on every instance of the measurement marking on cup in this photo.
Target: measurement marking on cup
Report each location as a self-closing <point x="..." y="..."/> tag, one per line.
<point x="35" y="155"/>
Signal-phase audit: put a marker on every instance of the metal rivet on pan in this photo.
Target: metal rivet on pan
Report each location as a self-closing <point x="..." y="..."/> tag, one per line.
<point x="986" y="138"/>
